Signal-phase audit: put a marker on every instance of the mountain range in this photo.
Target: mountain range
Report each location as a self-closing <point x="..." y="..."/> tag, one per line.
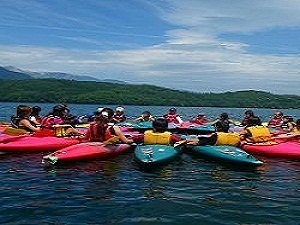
<point x="13" y="73"/>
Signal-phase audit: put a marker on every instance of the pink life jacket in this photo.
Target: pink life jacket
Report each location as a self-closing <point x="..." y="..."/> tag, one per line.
<point x="49" y="121"/>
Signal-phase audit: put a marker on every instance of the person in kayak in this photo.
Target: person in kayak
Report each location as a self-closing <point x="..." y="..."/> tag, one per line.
<point x="35" y="115"/>
<point x="159" y="134"/>
<point x="223" y="123"/>
<point x="104" y="129"/>
<point x="297" y="126"/>
<point x="56" y="119"/>
<point x="173" y="117"/>
<point x="276" y="120"/>
<point x="146" y="116"/>
<point x="22" y="119"/>
<point x="199" y="119"/>
<point x="287" y="124"/>
<point x="250" y="119"/>
<point x="119" y="115"/>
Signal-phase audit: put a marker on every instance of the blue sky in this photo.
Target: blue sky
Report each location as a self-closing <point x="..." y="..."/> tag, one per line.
<point x="195" y="45"/>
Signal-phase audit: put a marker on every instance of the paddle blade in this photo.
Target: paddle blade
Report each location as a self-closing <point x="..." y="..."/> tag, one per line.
<point x="179" y="143"/>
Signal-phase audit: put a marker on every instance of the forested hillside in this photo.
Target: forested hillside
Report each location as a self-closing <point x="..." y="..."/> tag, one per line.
<point x="51" y="90"/>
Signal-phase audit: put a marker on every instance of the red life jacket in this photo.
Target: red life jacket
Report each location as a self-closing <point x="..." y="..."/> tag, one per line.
<point x="93" y="134"/>
<point x="275" y="121"/>
<point x="171" y="118"/>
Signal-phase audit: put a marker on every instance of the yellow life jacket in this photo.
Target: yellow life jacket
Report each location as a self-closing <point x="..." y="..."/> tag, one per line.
<point x="61" y="130"/>
<point x="259" y="133"/>
<point x="228" y="139"/>
<point x="151" y="137"/>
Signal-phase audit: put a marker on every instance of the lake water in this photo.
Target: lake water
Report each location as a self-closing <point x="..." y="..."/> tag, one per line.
<point x="190" y="190"/>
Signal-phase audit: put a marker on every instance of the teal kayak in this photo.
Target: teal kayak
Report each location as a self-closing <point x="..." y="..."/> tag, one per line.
<point x="140" y="126"/>
<point x="149" y="155"/>
<point x="228" y="154"/>
<point x="192" y="128"/>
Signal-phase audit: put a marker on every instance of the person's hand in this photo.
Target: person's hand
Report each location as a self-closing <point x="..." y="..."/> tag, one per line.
<point x="129" y="141"/>
<point x="191" y="142"/>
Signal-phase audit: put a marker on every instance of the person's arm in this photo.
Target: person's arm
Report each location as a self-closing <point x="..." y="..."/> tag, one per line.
<point x="212" y="122"/>
<point x="33" y="119"/>
<point x="27" y="124"/>
<point x="138" y="119"/>
<point x="235" y="123"/>
<point x="151" y="118"/>
<point x="179" y="119"/>
<point x="121" y="136"/>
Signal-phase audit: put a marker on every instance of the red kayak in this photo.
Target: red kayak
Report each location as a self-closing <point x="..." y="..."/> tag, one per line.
<point x="287" y="150"/>
<point x="30" y="144"/>
<point x="86" y="151"/>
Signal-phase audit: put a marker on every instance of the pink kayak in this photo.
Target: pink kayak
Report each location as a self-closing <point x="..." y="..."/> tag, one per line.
<point x="86" y="151"/>
<point x="287" y="150"/>
<point x="30" y="144"/>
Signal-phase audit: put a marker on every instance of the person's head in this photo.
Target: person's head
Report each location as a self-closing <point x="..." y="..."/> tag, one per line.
<point x="105" y="116"/>
<point x="160" y="124"/>
<point x="298" y="123"/>
<point x="278" y="114"/>
<point x="23" y="111"/>
<point x="224" y="116"/>
<point x="249" y="113"/>
<point x="60" y="110"/>
<point x="119" y="110"/>
<point x="36" y="110"/>
<point x="172" y="110"/>
<point x="288" y="119"/>
<point x="200" y="115"/>
<point x="146" y="114"/>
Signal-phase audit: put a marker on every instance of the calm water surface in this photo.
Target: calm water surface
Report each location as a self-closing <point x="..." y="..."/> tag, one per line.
<point x="190" y="190"/>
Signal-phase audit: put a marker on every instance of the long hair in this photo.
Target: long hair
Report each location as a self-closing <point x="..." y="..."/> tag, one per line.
<point x="23" y="111"/>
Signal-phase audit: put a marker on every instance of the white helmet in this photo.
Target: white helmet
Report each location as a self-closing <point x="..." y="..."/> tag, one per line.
<point x="120" y="109"/>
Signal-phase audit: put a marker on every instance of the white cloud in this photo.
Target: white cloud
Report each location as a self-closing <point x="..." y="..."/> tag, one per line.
<point x="193" y="57"/>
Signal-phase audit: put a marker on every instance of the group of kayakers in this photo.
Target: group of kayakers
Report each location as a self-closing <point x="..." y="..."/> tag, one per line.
<point x="103" y="123"/>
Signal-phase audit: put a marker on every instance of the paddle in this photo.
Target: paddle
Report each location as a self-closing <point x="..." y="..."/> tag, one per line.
<point x="179" y="143"/>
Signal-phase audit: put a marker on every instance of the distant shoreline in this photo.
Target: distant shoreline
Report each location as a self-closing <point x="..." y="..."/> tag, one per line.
<point x="89" y="92"/>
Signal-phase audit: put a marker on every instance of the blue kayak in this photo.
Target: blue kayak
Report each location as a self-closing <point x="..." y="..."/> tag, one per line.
<point x="149" y="155"/>
<point x="226" y="153"/>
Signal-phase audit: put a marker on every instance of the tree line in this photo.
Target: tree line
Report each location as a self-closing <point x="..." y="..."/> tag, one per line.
<point x="91" y="92"/>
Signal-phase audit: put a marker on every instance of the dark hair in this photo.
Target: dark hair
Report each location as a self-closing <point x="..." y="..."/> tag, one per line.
<point x="60" y="107"/>
<point x="146" y="113"/>
<point x="23" y="111"/>
<point x="160" y="124"/>
<point x="36" y="110"/>
<point x="224" y="116"/>
<point x="172" y="109"/>
<point x="289" y="118"/>
<point x="249" y="112"/>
